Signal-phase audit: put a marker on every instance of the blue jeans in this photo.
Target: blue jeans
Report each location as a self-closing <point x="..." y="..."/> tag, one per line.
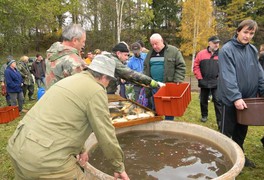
<point x="41" y="80"/>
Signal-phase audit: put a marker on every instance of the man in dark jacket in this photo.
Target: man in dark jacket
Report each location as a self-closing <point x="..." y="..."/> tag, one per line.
<point x="240" y="76"/>
<point x="38" y="70"/>
<point x="164" y="63"/>
<point x="205" y="69"/>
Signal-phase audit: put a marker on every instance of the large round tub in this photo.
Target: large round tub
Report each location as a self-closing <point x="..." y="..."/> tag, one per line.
<point x="232" y="150"/>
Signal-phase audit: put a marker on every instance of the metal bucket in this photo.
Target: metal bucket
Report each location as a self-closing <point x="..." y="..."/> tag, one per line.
<point x="233" y="151"/>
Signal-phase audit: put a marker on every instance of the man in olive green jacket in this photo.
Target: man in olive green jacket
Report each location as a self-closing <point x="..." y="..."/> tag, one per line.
<point x="48" y="141"/>
<point x="164" y="63"/>
<point x="120" y="54"/>
<point x="28" y="84"/>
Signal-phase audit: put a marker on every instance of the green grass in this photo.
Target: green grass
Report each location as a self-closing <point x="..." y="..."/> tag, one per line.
<point x="253" y="147"/>
<point x="6" y="130"/>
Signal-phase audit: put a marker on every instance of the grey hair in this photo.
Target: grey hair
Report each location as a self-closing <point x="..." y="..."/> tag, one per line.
<point x="156" y="36"/>
<point x="72" y="31"/>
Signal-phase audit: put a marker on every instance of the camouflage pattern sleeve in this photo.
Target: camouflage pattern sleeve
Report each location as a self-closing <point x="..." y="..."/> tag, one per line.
<point x="62" y="64"/>
<point x="25" y="73"/>
<point x="126" y="73"/>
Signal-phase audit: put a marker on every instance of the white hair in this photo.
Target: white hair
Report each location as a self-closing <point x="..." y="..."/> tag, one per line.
<point x="156" y="36"/>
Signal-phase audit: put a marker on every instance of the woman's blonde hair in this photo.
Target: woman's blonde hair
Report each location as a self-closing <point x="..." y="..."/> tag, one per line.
<point x="24" y="58"/>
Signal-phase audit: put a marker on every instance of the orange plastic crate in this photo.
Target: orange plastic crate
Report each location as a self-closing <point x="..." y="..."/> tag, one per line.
<point x="172" y="99"/>
<point x="8" y="113"/>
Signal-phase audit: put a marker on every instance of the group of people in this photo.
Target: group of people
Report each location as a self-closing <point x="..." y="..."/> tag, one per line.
<point x="48" y="142"/>
<point x="231" y="74"/>
<point x="18" y="79"/>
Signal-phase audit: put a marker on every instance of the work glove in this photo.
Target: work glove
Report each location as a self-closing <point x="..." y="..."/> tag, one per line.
<point x="161" y="84"/>
<point x="156" y="84"/>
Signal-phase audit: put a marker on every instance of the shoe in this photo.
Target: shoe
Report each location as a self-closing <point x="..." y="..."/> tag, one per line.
<point x="24" y="111"/>
<point x="249" y="163"/>
<point x="203" y="119"/>
<point x="262" y="140"/>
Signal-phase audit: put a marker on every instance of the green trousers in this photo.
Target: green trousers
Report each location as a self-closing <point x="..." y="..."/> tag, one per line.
<point x="73" y="173"/>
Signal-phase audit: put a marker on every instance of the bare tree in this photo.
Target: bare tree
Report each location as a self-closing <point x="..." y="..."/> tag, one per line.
<point x="119" y="15"/>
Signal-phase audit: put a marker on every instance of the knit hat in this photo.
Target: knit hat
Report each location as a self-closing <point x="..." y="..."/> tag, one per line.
<point x="135" y="47"/>
<point x="10" y="62"/>
<point x="214" y="39"/>
<point x="104" y="65"/>
<point x="122" y="47"/>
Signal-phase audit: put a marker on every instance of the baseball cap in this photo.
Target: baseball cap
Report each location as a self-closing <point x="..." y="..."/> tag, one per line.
<point x="214" y="39"/>
<point x="104" y="65"/>
<point x="135" y="47"/>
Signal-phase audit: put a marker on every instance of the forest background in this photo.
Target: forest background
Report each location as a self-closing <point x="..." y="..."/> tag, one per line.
<point x="29" y="25"/>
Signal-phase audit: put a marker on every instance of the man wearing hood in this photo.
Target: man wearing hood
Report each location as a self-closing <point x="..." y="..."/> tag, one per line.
<point x="63" y="58"/>
<point x="240" y="76"/>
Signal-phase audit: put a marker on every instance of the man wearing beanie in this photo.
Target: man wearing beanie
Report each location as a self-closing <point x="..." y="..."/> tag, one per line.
<point x="120" y="54"/>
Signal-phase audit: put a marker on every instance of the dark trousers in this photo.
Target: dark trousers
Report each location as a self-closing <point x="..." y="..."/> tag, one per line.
<point x="40" y="81"/>
<point x="17" y="99"/>
<point x="154" y="91"/>
<point x="137" y="91"/>
<point x="231" y="128"/>
<point x="122" y="91"/>
<point x="204" y="104"/>
<point x="29" y="88"/>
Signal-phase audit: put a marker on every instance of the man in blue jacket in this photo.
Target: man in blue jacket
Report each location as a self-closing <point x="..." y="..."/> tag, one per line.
<point x="136" y="63"/>
<point x="240" y="76"/>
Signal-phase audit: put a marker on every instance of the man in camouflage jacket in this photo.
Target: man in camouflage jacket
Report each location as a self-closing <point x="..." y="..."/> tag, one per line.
<point x="63" y="58"/>
<point x="28" y="83"/>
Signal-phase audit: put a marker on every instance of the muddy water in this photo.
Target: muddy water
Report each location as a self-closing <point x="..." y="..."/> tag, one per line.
<point x="165" y="155"/>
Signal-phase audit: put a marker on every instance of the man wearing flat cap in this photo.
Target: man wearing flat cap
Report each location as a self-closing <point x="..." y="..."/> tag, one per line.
<point x="120" y="54"/>
<point x="206" y="72"/>
<point x="49" y="140"/>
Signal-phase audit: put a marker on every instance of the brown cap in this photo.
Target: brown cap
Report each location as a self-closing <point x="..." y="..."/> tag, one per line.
<point x="135" y="47"/>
